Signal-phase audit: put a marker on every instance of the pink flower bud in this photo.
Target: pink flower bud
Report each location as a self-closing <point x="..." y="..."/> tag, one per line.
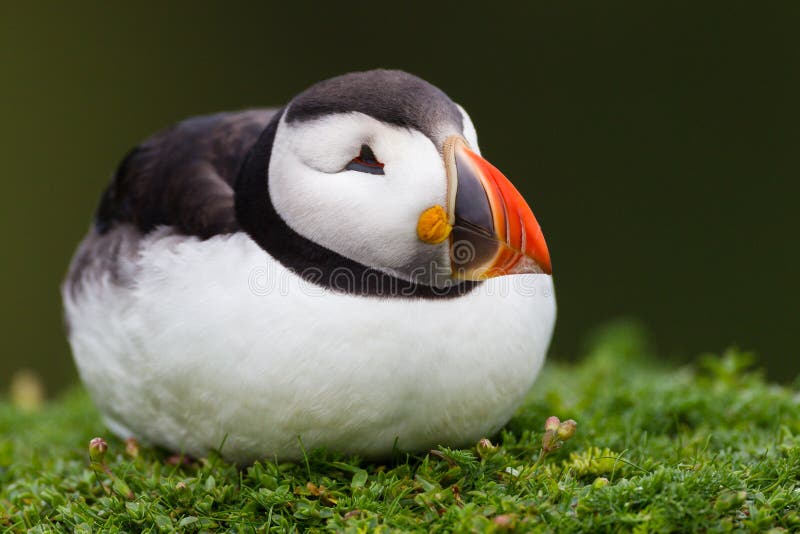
<point x="97" y="450"/>
<point x="486" y="449"/>
<point x="132" y="447"/>
<point x="552" y="423"/>
<point x="503" y="521"/>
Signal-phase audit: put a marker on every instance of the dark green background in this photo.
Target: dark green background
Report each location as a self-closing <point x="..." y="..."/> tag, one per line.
<point x="656" y="142"/>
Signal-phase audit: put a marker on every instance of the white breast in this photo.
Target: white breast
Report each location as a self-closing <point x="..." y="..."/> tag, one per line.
<point x="215" y="341"/>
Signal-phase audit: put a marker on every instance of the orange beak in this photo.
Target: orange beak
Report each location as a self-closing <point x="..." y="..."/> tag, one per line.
<point x="494" y="230"/>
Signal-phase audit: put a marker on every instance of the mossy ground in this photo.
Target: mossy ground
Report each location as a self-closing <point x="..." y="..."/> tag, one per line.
<point x="706" y="448"/>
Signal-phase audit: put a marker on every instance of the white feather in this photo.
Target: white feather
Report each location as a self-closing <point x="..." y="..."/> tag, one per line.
<point x="217" y="341"/>
<point x="371" y="219"/>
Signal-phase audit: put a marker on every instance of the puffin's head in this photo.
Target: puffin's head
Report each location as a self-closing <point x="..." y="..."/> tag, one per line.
<point x="383" y="169"/>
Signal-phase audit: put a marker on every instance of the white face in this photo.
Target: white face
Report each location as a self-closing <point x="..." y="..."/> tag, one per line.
<point x="368" y="218"/>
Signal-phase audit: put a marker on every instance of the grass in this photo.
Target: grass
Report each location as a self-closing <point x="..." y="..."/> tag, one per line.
<point x="706" y="448"/>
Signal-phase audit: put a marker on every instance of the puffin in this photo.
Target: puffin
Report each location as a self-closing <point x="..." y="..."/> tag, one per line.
<point x="346" y="272"/>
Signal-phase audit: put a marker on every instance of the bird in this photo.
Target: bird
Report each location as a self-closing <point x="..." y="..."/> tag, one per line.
<point x="346" y="272"/>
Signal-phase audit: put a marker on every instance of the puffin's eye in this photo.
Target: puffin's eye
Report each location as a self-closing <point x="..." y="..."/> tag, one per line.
<point x="365" y="162"/>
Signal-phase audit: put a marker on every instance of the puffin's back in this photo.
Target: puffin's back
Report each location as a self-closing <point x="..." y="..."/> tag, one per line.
<point x="182" y="177"/>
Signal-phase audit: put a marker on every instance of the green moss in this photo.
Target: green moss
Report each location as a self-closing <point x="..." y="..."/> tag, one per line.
<point x="711" y="447"/>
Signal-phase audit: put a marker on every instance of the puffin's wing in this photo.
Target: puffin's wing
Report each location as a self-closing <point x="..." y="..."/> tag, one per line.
<point x="183" y="177"/>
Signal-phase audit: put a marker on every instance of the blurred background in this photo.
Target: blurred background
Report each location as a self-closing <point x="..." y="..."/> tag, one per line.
<point x="656" y="142"/>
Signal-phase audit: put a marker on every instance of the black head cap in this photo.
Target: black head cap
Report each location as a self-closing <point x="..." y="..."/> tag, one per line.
<point x="391" y="96"/>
